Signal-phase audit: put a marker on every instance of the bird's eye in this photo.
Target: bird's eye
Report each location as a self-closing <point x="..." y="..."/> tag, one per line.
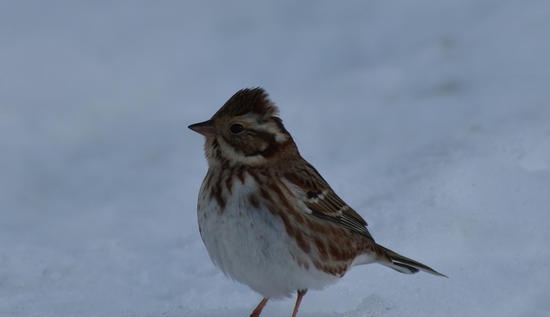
<point x="236" y="128"/>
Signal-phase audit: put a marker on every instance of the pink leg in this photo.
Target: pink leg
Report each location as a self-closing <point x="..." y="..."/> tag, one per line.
<point x="301" y="294"/>
<point x="258" y="310"/>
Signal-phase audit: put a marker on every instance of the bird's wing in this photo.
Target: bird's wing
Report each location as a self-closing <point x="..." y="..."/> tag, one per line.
<point x="323" y="201"/>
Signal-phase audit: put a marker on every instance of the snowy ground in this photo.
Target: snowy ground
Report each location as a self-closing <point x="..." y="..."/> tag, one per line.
<point x="431" y="118"/>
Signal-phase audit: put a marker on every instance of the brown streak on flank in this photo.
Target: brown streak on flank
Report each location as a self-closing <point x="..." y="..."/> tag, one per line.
<point x="264" y="193"/>
<point x="255" y="173"/>
<point x="293" y="178"/>
<point x="253" y="200"/>
<point x="299" y="218"/>
<point x="335" y="269"/>
<point x="292" y="208"/>
<point x="334" y="251"/>
<point x="321" y="249"/>
<point x="212" y="194"/>
<point x="315" y="226"/>
<point x="302" y="242"/>
<point x="240" y="174"/>
<point x="319" y="266"/>
<point x="341" y="270"/>
<point x="217" y="194"/>
<point x="368" y="246"/>
<point x="335" y="231"/>
<point x="208" y="180"/>
<point x="290" y="211"/>
<point x="229" y="181"/>
<point x="282" y="198"/>
<point x="288" y="227"/>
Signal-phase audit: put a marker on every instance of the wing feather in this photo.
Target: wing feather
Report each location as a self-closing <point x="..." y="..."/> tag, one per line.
<point x="323" y="202"/>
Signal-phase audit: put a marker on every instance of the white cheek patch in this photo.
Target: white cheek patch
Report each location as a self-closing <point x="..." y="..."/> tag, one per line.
<point x="281" y="137"/>
<point x="268" y="126"/>
<point x="274" y="129"/>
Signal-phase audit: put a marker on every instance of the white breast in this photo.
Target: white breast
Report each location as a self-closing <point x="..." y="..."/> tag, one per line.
<point x="250" y="244"/>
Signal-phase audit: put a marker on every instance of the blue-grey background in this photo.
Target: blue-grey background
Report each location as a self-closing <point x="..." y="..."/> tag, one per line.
<point x="431" y="118"/>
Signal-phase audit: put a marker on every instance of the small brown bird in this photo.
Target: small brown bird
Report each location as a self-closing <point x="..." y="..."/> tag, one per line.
<point x="267" y="217"/>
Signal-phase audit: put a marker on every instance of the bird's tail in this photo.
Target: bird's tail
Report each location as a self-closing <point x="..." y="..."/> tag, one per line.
<point x="402" y="264"/>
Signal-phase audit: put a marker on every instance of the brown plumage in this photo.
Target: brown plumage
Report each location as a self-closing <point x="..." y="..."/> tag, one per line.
<point x="267" y="215"/>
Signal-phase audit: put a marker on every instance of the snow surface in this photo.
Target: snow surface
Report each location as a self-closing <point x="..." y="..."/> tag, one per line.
<point x="431" y="118"/>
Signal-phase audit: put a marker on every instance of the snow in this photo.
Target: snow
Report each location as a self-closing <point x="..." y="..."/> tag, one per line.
<point x="431" y="118"/>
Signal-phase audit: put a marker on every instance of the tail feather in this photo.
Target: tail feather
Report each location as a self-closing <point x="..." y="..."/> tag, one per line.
<point x="403" y="264"/>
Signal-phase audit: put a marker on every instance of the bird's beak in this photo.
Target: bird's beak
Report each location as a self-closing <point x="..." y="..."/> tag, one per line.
<point x="205" y="128"/>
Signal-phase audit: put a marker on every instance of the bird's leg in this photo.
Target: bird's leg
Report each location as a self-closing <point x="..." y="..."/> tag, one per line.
<point x="301" y="294"/>
<point x="258" y="310"/>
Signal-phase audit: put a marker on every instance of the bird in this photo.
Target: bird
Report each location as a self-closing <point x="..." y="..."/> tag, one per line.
<point x="268" y="219"/>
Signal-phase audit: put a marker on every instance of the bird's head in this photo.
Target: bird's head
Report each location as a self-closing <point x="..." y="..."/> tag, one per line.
<point x="246" y="131"/>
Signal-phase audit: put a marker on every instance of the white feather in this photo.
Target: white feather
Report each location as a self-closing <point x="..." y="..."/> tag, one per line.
<point x="251" y="246"/>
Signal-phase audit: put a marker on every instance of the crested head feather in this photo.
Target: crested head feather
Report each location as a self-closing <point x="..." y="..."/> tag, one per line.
<point x="250" y="100"/>
<point x="246" y="131"/>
